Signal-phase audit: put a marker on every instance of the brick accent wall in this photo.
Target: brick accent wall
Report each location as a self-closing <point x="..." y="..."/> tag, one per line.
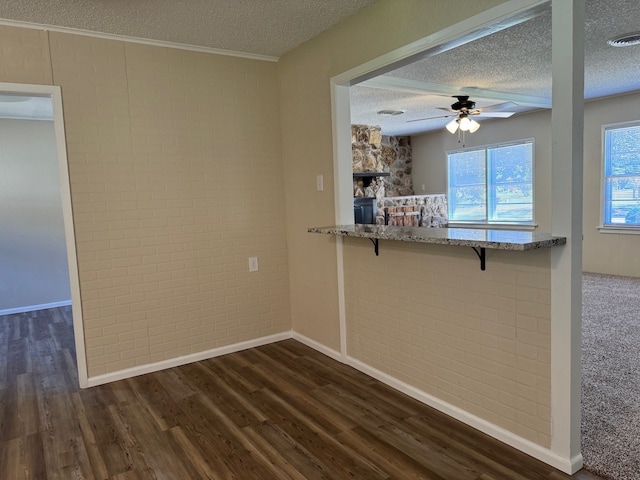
<point x="427" y="315"/>
<point x="176" y="179"/>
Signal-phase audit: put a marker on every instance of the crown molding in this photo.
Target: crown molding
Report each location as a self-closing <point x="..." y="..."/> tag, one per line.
<point x="143" y="41"/>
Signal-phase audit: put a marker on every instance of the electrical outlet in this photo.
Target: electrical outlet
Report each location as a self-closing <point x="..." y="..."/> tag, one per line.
<point x="253" y="264"/>
<point x="319" y="183"/>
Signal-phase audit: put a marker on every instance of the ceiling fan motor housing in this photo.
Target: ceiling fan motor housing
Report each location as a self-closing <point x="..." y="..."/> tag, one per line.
<point x="463" y="103"/>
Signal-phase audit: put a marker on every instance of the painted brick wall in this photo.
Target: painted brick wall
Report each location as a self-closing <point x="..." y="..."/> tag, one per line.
<point x="428" y="316"/>
<point x="25" y="56"/>
<point x="176" y="179"/>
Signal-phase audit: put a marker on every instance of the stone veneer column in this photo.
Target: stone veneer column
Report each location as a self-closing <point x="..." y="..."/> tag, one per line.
<point x="396" y="153"/>
<point x="373" y="152"/>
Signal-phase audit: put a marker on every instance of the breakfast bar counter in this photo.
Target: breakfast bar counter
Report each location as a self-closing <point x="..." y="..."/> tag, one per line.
<point x="477" y="238"/>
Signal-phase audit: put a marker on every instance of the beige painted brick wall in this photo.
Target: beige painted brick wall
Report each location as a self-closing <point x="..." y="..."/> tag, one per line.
<point x="305" y="104"/>
<point x="438" y="341"/>
<point x="167" y="211"/>
<point x="24" y="56"/>
<point x="427" y="315"/>
<point x="176" y="179"/>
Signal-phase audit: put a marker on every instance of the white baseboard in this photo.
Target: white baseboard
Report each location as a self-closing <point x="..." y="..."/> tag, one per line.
<point x="329" y="352"/>
<point x="33" y="308"/>
<point x="543" y="454"/>
<point x="176" y="362"/>
<point x="567" y="465"/>
<point x="212" y="353"/>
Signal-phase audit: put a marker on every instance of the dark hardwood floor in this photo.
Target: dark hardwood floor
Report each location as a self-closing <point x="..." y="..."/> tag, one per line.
<point x="282" y="411"/>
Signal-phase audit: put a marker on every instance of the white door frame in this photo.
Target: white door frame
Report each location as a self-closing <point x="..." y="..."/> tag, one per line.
<point x="55" y="94"/>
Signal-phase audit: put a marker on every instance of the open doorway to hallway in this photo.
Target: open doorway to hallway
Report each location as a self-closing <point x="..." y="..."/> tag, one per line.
<point x="32" y="237"/>
<point x="39" y="268"/>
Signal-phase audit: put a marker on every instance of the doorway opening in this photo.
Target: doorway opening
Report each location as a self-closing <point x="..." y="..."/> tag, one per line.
<point x="41" y="224"/>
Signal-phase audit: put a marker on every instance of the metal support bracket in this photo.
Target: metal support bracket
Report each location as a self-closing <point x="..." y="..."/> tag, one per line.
<point x="375" y="244"/>
<point x="479" y="251"/>
<point x="481" y="256"/>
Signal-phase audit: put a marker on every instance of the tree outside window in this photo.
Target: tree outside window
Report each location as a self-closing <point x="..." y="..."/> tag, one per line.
<point x="492" y="185"/>
<point x="621" y="178"/>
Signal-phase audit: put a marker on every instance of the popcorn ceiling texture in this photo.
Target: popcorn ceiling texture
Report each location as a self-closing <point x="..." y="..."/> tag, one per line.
<point x="514" y="61"/>
<point x="259" y="27"/>
<point x="274" y="27"/>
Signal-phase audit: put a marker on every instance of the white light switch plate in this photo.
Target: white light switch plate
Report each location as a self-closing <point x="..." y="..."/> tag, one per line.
<point x="253" y="264"/>
<point x="319" y="183"/>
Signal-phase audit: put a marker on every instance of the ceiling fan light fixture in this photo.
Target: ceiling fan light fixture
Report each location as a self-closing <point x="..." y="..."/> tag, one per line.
<point x="465" y="124"/>
<point x="625" y="40"/>
<point x="452" y="126"/>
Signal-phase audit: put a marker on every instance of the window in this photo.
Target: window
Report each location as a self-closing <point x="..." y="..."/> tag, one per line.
<point x="492" y="184"/>
<point x="621" y="161"/>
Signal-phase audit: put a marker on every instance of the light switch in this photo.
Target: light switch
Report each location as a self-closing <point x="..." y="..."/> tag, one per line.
<point x="253" y="264"/>
<point x="319" y="183"/>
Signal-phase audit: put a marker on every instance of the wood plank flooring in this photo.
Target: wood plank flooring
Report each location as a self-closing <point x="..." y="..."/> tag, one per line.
<point x="282" y="411"/>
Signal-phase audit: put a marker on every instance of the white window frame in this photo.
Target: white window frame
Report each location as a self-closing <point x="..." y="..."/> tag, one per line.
<point x="604" y="227"/>
<point x="528" y="225"/>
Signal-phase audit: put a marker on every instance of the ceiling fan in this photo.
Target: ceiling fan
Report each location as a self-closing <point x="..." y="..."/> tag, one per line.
<point x="464" y="108"/>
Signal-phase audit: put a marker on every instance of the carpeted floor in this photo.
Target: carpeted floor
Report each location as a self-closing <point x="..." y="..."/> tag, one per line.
<point x="611" y="376"/>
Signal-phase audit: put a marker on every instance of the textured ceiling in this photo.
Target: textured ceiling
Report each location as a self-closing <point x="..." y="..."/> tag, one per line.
<point x="261" y="27"/>
<point x="510" y="65"/>
<point x="264" y="28"/>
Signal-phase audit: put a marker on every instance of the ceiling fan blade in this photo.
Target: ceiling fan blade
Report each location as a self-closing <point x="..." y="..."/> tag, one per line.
<point x="500" y="107"/>
<point x="498" y="110"/>
<point x="494" y="114"/>
<point x="431" y="118"/>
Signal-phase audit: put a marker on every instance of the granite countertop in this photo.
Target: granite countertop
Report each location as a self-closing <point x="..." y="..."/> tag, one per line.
<point x="464" y="237"/>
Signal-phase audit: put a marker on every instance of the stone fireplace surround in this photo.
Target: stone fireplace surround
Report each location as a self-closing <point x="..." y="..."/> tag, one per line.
<point x="432" y="209"/>
<point x="374" y="153"/>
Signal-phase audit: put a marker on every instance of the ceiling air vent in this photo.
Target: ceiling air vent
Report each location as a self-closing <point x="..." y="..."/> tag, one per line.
<point x="626" y="40"/>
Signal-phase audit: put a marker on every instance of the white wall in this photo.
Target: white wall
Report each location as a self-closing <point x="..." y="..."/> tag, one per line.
<point x="429" y="166"/>
<point x="609" y="253"/>
<point x="33" y="259"/>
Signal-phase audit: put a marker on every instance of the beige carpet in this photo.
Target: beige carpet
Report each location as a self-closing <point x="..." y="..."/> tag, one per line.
<point x="611" y="376"/>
